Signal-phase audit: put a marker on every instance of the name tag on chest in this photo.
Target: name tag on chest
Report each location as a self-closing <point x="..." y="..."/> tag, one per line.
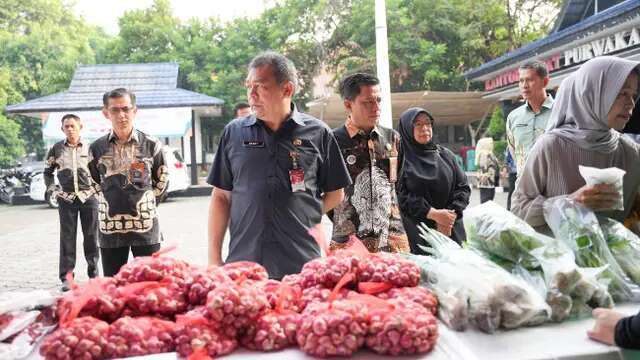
<point x="253" y="143"/>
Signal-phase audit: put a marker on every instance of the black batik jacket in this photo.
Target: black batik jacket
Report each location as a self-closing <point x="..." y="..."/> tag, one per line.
<point x="71" y="163"/>
<point x="131" y="177"/>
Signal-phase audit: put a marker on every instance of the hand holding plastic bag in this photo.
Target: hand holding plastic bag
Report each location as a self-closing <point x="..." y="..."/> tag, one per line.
<point x="611" y="176"/>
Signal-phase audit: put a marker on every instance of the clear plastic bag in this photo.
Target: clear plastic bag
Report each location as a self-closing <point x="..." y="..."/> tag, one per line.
<point x="494" y="230"/>
<point x="495" y="298"/>
<point x="624" y="245"/>
<point x="578" y="228"/>
<point x="25" y="300"/>
<point x="17" y="321"/>
<point x="614" y="176"/>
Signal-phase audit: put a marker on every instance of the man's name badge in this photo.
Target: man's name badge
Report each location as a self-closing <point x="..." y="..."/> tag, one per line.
<point x="136" y="173"/>
<point x="296" y="177"/>
<point x="351" y="159"/>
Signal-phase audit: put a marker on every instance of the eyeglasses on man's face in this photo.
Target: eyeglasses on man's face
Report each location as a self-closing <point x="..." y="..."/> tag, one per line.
<point x="117" y="110"/>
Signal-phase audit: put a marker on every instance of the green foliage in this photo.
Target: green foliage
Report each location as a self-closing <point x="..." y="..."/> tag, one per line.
<point x="497" y="124"/>
<point x="11" y="146"/>
<point x="41" y="42"/>
<point x="431" y="44"/>
<point x="498" y="149"/>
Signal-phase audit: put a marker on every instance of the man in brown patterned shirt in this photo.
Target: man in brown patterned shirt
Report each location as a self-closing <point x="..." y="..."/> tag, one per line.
<point x="370" y="207"/>
<point x="75" y="195"/>
<point x="130" y="167"/>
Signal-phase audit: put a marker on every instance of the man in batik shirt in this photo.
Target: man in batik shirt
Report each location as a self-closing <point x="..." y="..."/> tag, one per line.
<point x="370" y="208"/>
<point x="130" y="167"/>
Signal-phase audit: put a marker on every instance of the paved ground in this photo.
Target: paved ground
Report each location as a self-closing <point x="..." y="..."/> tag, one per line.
<point x="29" y="240"/>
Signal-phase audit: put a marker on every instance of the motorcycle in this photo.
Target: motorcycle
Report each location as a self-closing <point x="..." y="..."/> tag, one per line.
<point x="14" y="182"/>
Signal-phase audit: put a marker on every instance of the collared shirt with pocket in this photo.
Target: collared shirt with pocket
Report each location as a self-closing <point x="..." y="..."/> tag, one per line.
<point x="131" y="176"/>
<point x="270" y="218"/>
<point x="524" y="127"/>
<point x="370" y="208"/>
<point x="71" y="164"/>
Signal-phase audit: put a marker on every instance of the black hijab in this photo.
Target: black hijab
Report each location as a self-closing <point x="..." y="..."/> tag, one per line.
<point x="420" y="160"/>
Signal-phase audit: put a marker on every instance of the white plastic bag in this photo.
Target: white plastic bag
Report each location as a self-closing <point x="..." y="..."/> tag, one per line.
<point x="613" y="176"/>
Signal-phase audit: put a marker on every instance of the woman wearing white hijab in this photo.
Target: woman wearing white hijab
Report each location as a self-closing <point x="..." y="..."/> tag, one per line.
<point x="593" y="105"/>
<point x="488" y="169"/>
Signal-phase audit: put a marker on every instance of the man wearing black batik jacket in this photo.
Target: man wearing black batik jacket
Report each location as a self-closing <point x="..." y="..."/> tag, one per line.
<point x="76" y="197"/>
<point x="130" y="167"/>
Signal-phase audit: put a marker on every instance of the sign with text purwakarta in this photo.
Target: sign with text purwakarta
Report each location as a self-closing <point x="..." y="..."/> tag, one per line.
<point x="605" y="45"/>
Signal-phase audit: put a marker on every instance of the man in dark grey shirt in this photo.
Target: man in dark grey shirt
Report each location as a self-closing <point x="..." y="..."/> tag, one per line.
<point x="275" y="173"/>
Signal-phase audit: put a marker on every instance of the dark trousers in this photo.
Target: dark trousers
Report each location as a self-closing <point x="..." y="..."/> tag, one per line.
<point x="512" y="186"/>
<point x="88" y="212"/>
<point x="114" y="258"/>
<point x="487" y="194"/>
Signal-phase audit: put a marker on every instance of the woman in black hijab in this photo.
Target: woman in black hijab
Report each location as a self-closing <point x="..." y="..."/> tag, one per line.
<point x="432" y="188"/>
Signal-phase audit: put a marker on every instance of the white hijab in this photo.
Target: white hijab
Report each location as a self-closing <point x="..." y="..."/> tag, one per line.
<point x="583" y="102"/>
<point x="484" y="148"/>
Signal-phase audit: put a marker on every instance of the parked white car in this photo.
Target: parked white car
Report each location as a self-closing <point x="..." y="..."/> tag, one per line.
<point x="178" y="178"/>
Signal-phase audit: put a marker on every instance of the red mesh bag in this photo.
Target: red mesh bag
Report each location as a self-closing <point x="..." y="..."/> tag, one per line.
<point x="72" y="303"/>
<point x="80" y="338"/>
<point x="334" y="327"/>
<point x="108" y="304"/>
<point x="164" y="298"/>
<point x="388" y="268"/>
<point x="419" y="295"/>
<point x="275" y="329"/>
<point x="289" y="300"/>
<point x="319" y="293"/>
<point x="154" y="268"/>
<point x="234" y="306"/>
<point x="404" y="328"/>
<point x="245" y="270"/>
<point x="140" y="336"/>
<point x="202" y="281"/>
<point x="196" y="336"/>
<point x="327" y="271"/>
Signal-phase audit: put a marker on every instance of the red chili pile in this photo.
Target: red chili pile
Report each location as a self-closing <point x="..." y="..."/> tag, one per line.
<point x="160" y="304"/>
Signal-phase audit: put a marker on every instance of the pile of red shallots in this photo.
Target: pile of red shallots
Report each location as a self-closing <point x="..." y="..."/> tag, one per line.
<point x="336" y="305"/>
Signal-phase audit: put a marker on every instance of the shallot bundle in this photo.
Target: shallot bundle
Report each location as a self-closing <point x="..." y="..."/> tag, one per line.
<point x="153" y="268"/>
<point x="327" y="271"/>
<point x="404" y="328"/>
<point x="140" y="336"/>
<point x="388" y="268"/>
<point x="318" y="293"/>
<point x="419" y="295"/>
<point x="245" y="269"/>
<point x="108" y="304"/>
<point x="203" y="281"/>
<point x="195" y="332"/>
<point x="81" y="338"/>
<point x="234" y="307"/>
<point x="336" y="328"/>
<point x="71" y="304"/>
<point x="152" y="297"/>
<point x="274" y="330"/>
<point x="289" y="300"/>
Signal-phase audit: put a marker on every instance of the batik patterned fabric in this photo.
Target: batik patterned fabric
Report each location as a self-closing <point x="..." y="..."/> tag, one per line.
<point x="370" y="208"/>
<point x="131" y="175"/>
<point x="70" y="163"/>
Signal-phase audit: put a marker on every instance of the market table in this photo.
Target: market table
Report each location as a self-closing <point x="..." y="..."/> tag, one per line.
<point x="566" y="341"/>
